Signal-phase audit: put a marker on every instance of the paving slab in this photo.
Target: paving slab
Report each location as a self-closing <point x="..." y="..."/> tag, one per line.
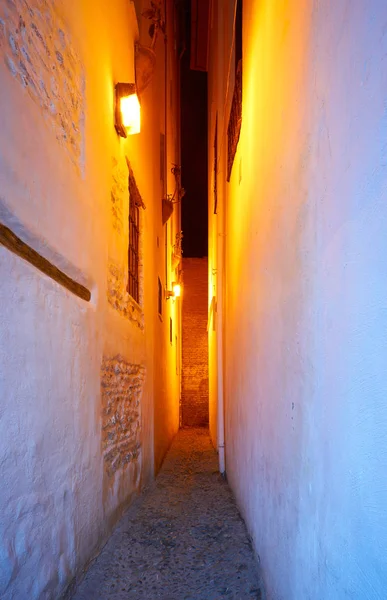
<point x="184" y="538"/>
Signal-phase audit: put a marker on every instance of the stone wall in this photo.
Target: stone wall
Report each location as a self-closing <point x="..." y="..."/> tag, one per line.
<point x="40" y="54"/>
<point x="195" y="343"/>
<point x="77" y="443"/>
<point x="121" y="391"/>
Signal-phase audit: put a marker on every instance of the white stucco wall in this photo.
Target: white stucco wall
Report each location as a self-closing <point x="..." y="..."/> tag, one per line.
<point x="306" y="314"/>
<point x="63" y="361"/>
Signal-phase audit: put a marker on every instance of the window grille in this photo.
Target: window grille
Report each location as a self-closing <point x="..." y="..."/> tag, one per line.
<point x="133" y="250"/>
<point x="216" y="166"/>
<point x="160" y="297"/>
<point x="235" y="121"/>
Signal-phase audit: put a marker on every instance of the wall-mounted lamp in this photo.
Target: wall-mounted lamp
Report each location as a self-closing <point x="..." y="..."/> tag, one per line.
<point x="176" y="289"/>
<point x="175" y="292"/>
<point x="128" y="111"/>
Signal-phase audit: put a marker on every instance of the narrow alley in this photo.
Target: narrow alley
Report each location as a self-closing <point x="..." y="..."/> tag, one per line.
<point x="193" y="299"/>
<point x="182" y="539"/>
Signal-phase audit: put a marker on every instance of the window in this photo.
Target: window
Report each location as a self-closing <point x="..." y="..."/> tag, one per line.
<point x="235" y="121"/>
<point x="216" y="166"/>
<point x="133" y="250"/>
<point x="238" y="34"/>
<point x="160" y="298"/>
<point x="135" y="203"/>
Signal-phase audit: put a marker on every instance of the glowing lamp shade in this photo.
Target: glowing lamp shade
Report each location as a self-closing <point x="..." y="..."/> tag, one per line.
<point x="128" y="111"/>
<point x="175" y="292"/>
<point x="176" y="287"/>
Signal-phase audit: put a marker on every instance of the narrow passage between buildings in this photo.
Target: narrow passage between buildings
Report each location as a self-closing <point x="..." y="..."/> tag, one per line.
<point x="182" y="539"/>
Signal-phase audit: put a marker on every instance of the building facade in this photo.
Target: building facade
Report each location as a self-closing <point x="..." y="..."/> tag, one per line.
<point x="297" y="286"/>
<point x="90" y="341"/>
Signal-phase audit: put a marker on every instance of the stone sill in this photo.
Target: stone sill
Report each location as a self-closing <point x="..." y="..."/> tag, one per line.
<point x="135" y="305"/>
<point x="128" y="309"/>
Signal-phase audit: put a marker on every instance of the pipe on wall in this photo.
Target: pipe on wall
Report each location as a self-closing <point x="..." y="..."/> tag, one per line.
<point x="219" y="344"/>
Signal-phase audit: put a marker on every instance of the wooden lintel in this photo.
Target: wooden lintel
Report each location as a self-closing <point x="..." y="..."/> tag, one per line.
<point x="24" y="251"/>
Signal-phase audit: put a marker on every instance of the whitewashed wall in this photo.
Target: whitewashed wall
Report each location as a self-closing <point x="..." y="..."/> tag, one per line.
<point x="306" y="309"/>
<point x="77" y="379"/>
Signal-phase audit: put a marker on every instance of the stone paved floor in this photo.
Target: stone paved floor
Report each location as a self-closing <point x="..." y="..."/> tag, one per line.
<point x="183" y="540"/>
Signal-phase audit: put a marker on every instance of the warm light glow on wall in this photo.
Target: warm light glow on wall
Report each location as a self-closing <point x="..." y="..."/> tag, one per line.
<point x="128" y="110"/>
<point x="175" y="292"/>
<point x="176" y="287"/>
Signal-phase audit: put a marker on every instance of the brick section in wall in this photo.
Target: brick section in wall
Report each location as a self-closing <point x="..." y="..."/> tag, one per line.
<point x="195" y="343"/>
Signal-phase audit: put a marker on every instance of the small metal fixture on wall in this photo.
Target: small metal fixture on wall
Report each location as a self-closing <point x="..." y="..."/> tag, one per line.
<point x="174" y="198"/>
<point x="177" y="250"/>
<point x="178" y="245"/>
<point x="175" y="292"/>
<point x="145" y="57"/>
<point x="127" y="110"/>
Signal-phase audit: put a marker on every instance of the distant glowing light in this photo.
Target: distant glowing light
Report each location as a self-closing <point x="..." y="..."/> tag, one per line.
<point x="175" y="292"/>
<point x="176" y="287"/>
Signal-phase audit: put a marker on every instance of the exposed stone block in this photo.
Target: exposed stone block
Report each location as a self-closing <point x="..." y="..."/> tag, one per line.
<point x="121" y="392"/>
<point x="119" y="299"/>
<point x="40" y="55"/>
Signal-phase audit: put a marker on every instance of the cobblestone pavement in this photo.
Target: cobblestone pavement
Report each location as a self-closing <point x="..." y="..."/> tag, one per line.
<point x="183" y="540"/>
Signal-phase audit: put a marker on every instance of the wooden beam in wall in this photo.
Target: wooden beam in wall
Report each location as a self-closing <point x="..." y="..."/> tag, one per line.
<point x="14" y="244"/>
